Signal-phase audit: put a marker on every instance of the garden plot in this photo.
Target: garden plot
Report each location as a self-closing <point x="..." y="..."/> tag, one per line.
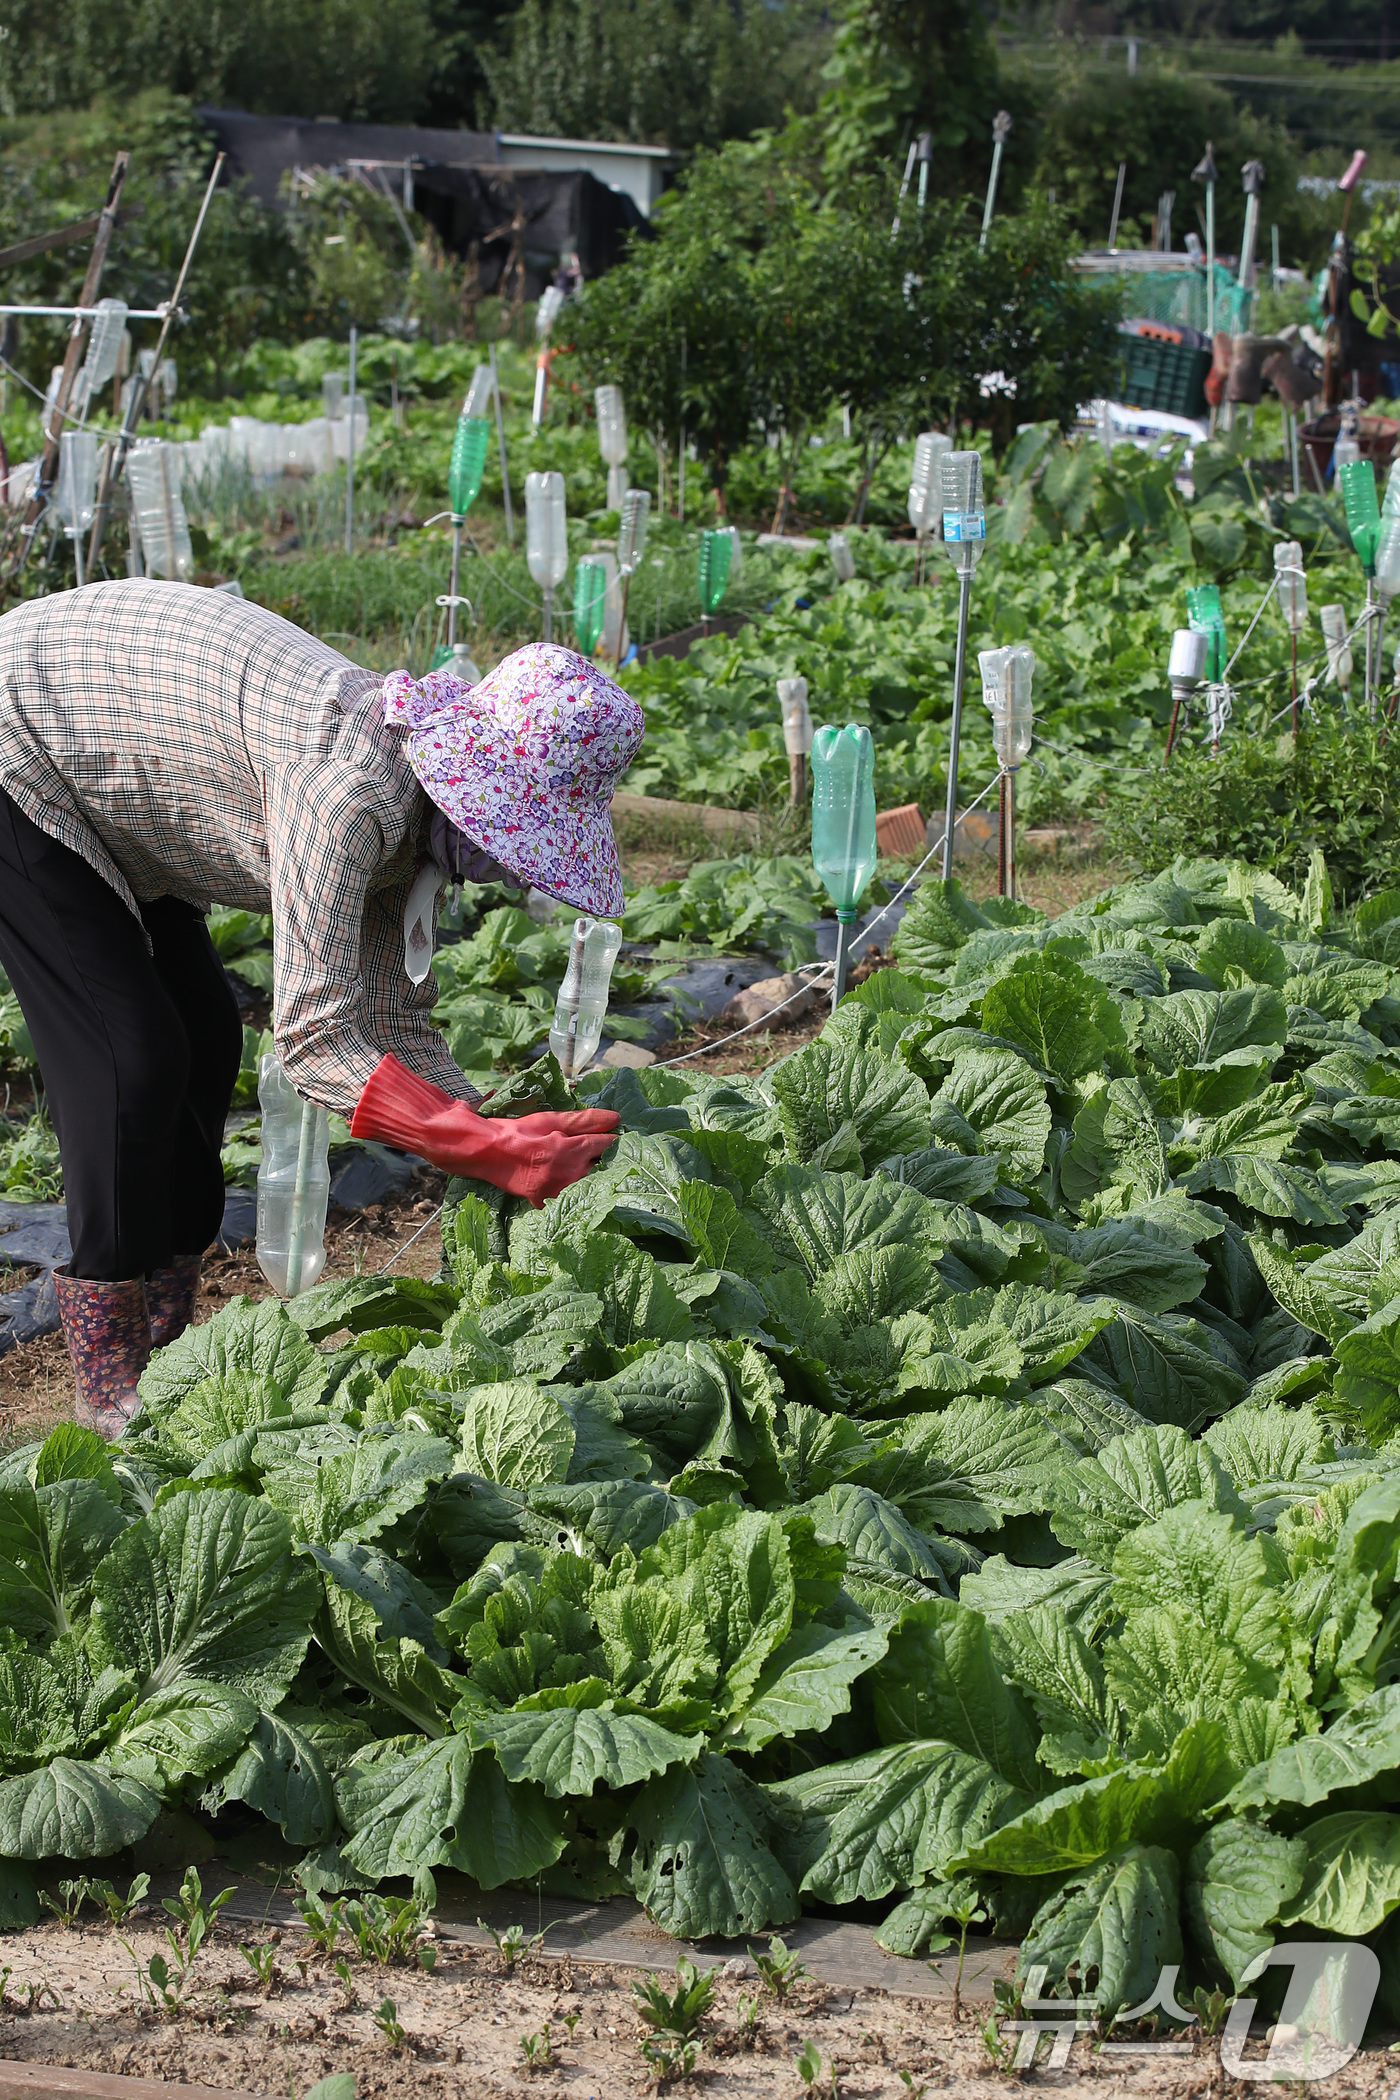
<point x="951" y="1475"/>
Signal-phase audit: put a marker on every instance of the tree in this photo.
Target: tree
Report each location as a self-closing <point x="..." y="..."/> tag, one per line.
<point x="899" y="67"/>
<point x="684" y="72"/>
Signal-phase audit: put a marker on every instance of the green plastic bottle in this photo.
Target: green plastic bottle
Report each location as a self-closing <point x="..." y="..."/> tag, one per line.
<point x="1205" y="615"/>
<point x="716" y="553"/>
<point x="468" y="463"/>
<point x="843" y="813"/>
<point x="590" y="599"/>
<point x="1358" y="479"/>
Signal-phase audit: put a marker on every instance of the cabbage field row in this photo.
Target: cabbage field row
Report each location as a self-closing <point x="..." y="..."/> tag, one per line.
<point x="958" y="1464"/>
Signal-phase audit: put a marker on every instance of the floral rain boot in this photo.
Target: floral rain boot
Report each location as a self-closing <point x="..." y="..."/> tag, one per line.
<point x="170" y="1296"/>
<point x="108" y="1332"/>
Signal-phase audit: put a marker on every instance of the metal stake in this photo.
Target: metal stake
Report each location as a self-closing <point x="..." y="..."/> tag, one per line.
<point x="1370" y="606"/>
<point x="1003" y="824"/>
<point x="566" y="1063"/>
<point x="955" y="731"/>
<point x="549" y="615"/>
<point x="501" y="441"/>
<point x="844" y="922"/>
<point x="1117" y="206"/>
<point x="296" y="1232"/>
<point x="350" y="456"/>
<point x="1001" y="131"/>
<point x="454" y="586"/>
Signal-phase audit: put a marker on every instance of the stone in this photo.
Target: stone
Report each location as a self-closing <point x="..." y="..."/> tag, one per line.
<point x="627" y="1056"/>
<point x="771" y="995"/>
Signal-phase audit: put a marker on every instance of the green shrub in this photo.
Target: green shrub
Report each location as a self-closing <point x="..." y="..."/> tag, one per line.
<point x="1265" y="802"/>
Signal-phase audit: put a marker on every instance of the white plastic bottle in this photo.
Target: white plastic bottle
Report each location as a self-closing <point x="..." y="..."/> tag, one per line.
<point x="583" y="996"/>
<point x="294" y="1183"/>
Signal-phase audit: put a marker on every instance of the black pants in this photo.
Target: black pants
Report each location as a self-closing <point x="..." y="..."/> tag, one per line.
<point x="138" y="1051"/>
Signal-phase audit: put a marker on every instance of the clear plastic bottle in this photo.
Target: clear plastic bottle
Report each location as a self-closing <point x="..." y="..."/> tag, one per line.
<point x="546" y="529"/>
<point x="842" y="559"/>
<point x="333" y="396"/>
<point x="1006" y="690"/>
<point x="1390" y="506"/>
<point x="293" y="1183"/>
<point x="582" y="1005"/>
<point x="103" y="349"/>
<point x="75" y="494"/>
<point x="843" y="812"/>
<point x="468" y="463"/>
<point x="632" y="531"/>
<point x="964" y="519"/>
<point x="1388" y="555"/>
<point x="1292" y="584"/>
<point x="1348" y="445"/>
<point x="797" y="716"/>
<point x="736" y="552"/>
<point x="612" y="424"/>
<point x="929" y="448"/>
<point x="1334" y="634"/>
<point x="153" y="472"/>
<point x="479" y="393"/>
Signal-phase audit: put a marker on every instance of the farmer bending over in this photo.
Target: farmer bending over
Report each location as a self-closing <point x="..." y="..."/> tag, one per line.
<point x="162" y="747"/>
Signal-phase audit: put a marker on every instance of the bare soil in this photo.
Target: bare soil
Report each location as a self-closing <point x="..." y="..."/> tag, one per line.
<point x="36" y="1379"/>
<point x="74" y="1998"/>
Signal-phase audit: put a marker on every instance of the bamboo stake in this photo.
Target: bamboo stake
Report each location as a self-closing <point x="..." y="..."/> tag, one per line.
<point x="72" y="358"/>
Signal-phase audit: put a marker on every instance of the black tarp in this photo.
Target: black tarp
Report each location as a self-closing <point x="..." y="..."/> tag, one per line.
<point x="263" y="149"/>
<point x="534" y="214"/>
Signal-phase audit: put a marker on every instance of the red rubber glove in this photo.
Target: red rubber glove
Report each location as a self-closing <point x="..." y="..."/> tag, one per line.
<point x="533" y="1156"/>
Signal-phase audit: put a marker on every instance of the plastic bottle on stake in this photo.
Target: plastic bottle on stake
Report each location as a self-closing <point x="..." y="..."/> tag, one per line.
<point x="716" y="552"/>
<point x="1204" y="615"/>
<point x="842" y="559"/>
<point x="1358" y="483"/>
<point x="468" y="463"/>
<point x="797" y="733"/>
<point x="964" y="530"/>
<point x="75" y="493"/>
<point x="1186" y="669"/>
<point x="590" y="599"/>
<point x="546" y="538"/>
<point x="843" y="826"/>
<point x="925" y="490"/>
<point x="1006" y="690"/>
<point x="582" y="1004"/>
<point x="1333" y="619"/>
<point x="612" y="440"/>
<point x="1293" y="602"/>
<point x="631" y="545"/>
<point x="294" y="1183"/>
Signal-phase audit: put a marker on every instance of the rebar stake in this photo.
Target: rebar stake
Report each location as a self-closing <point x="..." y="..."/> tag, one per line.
<point x="955" y="729"/>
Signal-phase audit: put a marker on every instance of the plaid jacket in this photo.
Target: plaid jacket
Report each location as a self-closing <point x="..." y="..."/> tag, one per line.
<point x="189" y="744"/>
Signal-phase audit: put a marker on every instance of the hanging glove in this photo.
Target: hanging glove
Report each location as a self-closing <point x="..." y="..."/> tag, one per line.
<point x="532" y="1156"/>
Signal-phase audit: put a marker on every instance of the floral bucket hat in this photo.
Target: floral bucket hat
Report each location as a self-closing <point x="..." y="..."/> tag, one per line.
<point x="525" y="764"/>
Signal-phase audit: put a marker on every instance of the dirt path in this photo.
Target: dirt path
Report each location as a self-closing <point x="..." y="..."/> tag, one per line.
<point x="73" y="1998"/>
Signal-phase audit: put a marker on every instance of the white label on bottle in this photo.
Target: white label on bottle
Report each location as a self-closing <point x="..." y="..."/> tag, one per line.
<point x="964" y="525"/>
<point x="420" y="923"/>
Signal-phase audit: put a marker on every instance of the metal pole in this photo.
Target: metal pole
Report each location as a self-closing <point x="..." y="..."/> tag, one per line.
<point x="1011" y="835"/>
<point x="622" y="618"/>
<point x="1001" y="131"/>
<point x="1002" y="828"/>
<point x="78" y="560"/>
<point x="1210" y="259"/>
<point x="296" y="1231"/>
<point x="72" y="357"/>
<point x="455" y="584"/>
<point x="549" y="614"/>
<point x="1293" y="637"/>
<point x="1117" y="205"/>
<point x="955" y="732"/>
<point x="114" y="459"/>
<point x="844" y="922"/>
<point x="501" y="441"/>
<point x="904" y="185"/>
<point x="350" y="455"/>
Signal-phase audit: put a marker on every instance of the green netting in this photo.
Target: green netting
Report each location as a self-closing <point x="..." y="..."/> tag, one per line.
<point x="1180" y="296"/>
